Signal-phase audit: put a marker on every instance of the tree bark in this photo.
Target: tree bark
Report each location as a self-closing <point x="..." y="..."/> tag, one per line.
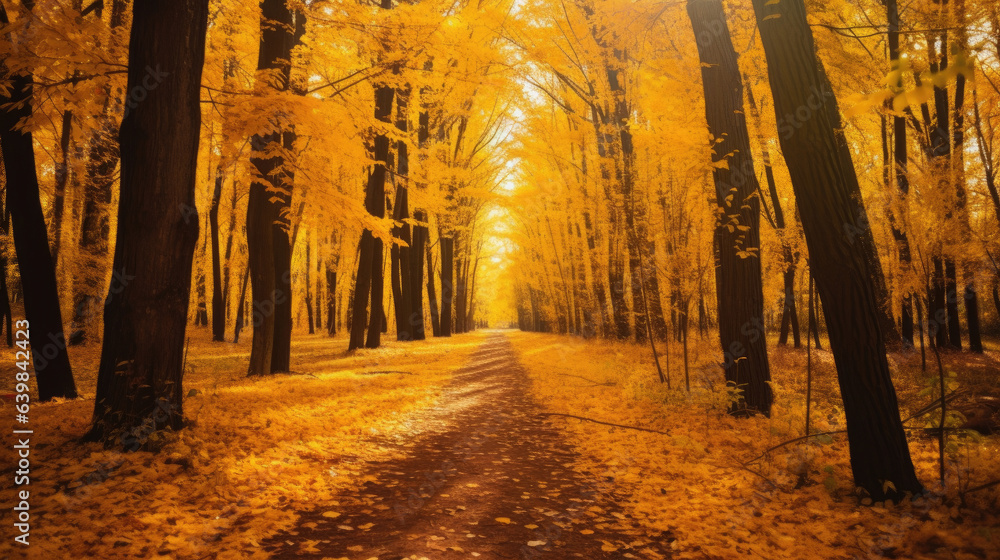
<point x="141" y="368"/>
<point x="416" y="317"/>
<point x="331" y="302"/>
<point x="447" y="287"/>
<point x="432" y="300"/>
<point x="280" y="30"/>
<point x="241" y="306"/>
<point x="900" y="162"/>
<point x="741" y="296"/>
<point x="845" y="267"/>
<point x="218" y="303"/>
<point x="50" y="358"/>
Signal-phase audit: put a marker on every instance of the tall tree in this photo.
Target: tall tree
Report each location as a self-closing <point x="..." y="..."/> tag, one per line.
<point x="899" y="165"/>
<point x="268" y="211"/>
<point x="737" y="232"/>
<point x="218" y="303"/>
<point x="368" y="284"/>
<point x="829" y="196"/>
<point x="53" y="373"/>
<point x="141" y="369"/>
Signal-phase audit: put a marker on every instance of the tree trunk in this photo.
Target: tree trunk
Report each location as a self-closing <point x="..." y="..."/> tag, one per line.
<point x="447" y="271"/>
<point x="6" y="313"/>
<point x="280" y="32"/>
<point x="741" y="297"/>
<point x="53" y="373"/>
<point x="260" y="257"/>
<point x="331" y="302"/>
<point x="141" y="368"/>
<point x="416" y="317"/>
<point x="281" y="352"/>
<point x="432" y="300"/>
<point x="218" y="303"/>
<point x="309" y="297"/>
<point x="900" y="162"/>
<point x="789" y="315"/>
<point x="846" y="270"/>
<point x="241" y="306"/>
<point x="62" y="178"/>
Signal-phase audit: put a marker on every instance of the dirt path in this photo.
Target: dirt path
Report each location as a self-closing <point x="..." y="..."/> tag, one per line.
<point x="490" y="480"/>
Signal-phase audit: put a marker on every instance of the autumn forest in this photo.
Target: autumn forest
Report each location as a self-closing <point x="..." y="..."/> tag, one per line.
<point x="447" y="279"/>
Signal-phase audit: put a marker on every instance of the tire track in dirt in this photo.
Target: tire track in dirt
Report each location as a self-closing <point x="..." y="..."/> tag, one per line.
<point x="487" y="478"/>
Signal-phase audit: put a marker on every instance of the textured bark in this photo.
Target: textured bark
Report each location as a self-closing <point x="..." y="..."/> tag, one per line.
<point x="140" y="377"/>
<point x="62" y="178"/>
<point x="241" y="306"/>
<point x="282" y="247"/>
<point x="53" y="373"/>
<point x="740" y="293"/>
<point x="6" y="313"/>
<point x="331" y="301"/>
<point x="899" y="164"/>
<point x="432" y="301"/>
<point x="309" y="297"/>
<point x="281" y="30"/>
<point x="218" y="303"/>
<point x="260" y="257"/>
<point x="447" y="279"/>
<point x="828" y="195"/>
<point x="416" y="317"/>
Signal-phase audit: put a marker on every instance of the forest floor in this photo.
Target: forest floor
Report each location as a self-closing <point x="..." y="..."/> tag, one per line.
<point x="474" y="447"/>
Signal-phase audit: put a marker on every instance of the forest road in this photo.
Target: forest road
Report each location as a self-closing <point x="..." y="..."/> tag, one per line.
<point x="488" y="479"/>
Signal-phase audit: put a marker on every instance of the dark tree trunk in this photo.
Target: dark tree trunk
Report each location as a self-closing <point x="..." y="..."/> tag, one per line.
<point x="141" y="367"/>
<point x="6" y="313"/>
<point x="400" y="258"/>
<point x="447" y="287"/>
<point x="260" y="256"/>
<point x="814" y="320"/>
<point x="218" y="303"/>
<point x="62" y="178"/>
<point x="281" y="353"/>
<point x="227" y="258"/>
<point x="331" y="301"/>
<point x="368" y="285"/>
<point x="741" y="296"/>
<point x="951" y="301"/>
<point x="972" y="315"/>
<point x="789" y="315"/>
<point x="937" y="312"/>
<point x="846" y="270"/>
<point x="268" y="242"/>
<point x="899" y="163"/>
<point x="432" y="300"/>
<point x="416" y="317"/>
<point x="241" y="306"/>
<point x="309" y="297"/>
<point x="458" y="295"/>
<point x="53" y="373"/>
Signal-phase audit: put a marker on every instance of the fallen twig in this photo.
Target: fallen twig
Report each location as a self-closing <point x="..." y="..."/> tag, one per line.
<point x="981" y="487"/>
<point x="383" y="372"/>
<point x="604" y="423"/>
<point x="595" y="383"/>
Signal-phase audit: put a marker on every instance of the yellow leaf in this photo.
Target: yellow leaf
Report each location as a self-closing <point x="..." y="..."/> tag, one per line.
<point x="504" y="520"/>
